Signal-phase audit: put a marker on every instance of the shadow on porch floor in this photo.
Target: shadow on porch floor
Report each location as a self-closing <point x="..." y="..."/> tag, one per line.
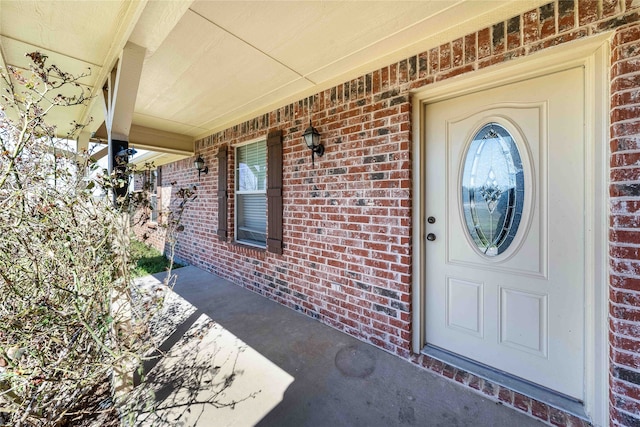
<point x="234" y="358"/>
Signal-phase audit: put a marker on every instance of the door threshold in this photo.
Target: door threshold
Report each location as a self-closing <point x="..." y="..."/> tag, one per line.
<point x="554" y="399"/>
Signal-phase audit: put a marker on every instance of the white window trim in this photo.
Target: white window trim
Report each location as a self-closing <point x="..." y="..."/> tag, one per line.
<point x="249" y="192"/>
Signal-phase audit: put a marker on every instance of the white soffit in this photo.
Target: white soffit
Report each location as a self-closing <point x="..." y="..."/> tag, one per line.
<point x="199" y="59"/>
<point x="311" y="36"/>
<point x="75" y="35"/>
<point x="158" y="159"/>
<point x="76" y="29"/>
<point x="212" y="64"/>
<point x="327" y="43"/>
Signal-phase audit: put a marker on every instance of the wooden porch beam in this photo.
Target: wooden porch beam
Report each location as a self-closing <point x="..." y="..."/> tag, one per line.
<point x="120" y="100"/>
<point x="122" y="91"/>
<point x="154" y="140"/>
<point x="100" y="154"/>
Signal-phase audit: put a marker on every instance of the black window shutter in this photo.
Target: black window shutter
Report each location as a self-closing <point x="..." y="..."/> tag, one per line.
<point x="222" y="193"/>
<point x="274" y="191"/>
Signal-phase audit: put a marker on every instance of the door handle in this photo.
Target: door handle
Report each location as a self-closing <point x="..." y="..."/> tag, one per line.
<point x="431" y="237"/>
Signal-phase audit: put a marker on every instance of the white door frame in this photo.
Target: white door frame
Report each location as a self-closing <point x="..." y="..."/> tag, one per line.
<point x="593" y="55"/>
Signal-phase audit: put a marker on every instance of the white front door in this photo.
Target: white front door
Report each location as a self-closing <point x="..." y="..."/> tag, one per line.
<point x="505" y="224"/>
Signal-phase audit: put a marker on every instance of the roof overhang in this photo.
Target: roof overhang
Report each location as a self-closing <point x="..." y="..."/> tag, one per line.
<point x="211" y="64"/>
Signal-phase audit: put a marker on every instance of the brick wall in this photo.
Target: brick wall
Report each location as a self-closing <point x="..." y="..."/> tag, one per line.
<point x="624" y="229"/>
<point x="347" y="221"/>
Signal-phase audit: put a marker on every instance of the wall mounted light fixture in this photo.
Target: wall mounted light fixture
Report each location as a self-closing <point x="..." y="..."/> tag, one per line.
<point x="312" y="140"/>
<point x="199" y="164"/>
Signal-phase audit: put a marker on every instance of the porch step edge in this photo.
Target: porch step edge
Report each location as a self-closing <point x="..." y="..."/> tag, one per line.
<point x="553" y="399"/>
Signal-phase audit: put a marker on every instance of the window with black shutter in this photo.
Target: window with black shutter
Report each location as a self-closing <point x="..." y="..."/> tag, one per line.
<point x="250" y="193"/>
<point x="258" y="193"/>
<point x="274" y="191"/>
<point x="222" y="193"/>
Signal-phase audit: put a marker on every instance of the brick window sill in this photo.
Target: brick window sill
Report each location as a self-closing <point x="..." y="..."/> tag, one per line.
<point x="247" y="250"/>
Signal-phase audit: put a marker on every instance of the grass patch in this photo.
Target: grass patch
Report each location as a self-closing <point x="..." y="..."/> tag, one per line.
<point x="148" y="260"/>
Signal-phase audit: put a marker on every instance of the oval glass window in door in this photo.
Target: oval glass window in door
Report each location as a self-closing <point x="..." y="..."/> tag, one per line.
<point x="492" y="189"/>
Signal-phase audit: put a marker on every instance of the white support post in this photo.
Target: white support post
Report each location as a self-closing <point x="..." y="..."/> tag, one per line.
<point x="120" y="98"/>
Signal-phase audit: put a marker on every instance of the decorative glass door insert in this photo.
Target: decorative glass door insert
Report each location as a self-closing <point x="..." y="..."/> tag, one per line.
<point x="492" y="189"/>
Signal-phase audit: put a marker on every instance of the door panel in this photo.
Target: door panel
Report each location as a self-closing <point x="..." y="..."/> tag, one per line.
<point x="523" y="255"/>
<point x="505" y="271"/>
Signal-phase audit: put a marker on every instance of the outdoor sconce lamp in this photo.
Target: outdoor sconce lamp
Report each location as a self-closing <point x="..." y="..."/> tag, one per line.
<point x="312" y="140"/>
<point x="199" y="164"/>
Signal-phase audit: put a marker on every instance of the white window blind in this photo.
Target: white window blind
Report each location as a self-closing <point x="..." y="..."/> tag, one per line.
<point x="251" y="199"/>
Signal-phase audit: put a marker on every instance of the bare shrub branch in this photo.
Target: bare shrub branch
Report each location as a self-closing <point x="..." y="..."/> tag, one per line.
<point x="64" y="260"/>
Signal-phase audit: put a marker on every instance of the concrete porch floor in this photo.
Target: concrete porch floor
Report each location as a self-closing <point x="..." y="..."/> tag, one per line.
<point x="234" y="358"/>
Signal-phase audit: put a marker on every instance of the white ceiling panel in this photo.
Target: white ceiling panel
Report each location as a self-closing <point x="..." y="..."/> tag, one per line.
<point x="78" y="29"/>
<point x="212" y="64"/>
<point x="308" y="36"/>
<point x="423" y="34"/>
<point x="197" y="59"/>
<point x="164" y="123"/>
<point x="15" y="55"/>
<point x="285" y="94"/>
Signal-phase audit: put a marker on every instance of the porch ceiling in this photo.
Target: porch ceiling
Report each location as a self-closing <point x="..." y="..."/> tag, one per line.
<point x="210" y="64"/>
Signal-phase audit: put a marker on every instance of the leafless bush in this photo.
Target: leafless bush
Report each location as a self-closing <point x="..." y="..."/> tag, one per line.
<point x="68" y="320"/>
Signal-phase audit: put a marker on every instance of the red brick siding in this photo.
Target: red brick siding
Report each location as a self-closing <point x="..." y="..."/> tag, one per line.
<point x="347" y="222"/>
<point x="624" y="249"/>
